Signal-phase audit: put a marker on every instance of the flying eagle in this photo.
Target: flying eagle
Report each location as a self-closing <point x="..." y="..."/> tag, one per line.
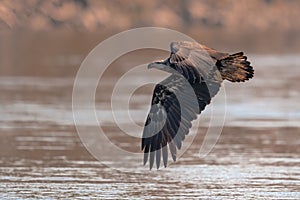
<point x="197" y="72"/>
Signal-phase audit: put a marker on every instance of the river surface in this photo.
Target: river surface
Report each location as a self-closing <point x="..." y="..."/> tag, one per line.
<point x="257" y="155"/>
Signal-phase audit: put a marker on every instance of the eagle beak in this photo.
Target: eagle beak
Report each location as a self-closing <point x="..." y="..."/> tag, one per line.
<point x="156" y="64"/>
<point x="151" y="65"/>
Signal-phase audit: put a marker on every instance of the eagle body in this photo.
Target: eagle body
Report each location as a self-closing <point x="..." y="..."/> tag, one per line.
<point x="196" y="72"/>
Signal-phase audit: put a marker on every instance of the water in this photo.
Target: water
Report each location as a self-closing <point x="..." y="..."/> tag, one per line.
<point x="257" y="155"/>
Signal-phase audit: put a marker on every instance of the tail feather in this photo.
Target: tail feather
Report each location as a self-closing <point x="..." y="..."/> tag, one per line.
<point x="235" y="68"/>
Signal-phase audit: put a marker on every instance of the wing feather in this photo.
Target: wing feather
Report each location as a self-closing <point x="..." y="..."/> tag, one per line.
<point x="195" y="61"/>
<point x="169" y="119"/>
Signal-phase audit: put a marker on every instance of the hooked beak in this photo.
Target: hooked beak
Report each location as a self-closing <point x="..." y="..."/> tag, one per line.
<point x="151" y="65"/>
<point x="157" y="65"/>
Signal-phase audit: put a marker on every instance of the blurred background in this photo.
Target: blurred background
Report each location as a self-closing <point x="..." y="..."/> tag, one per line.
<point x="42" y="44"/>
<point x="66" y="30"/>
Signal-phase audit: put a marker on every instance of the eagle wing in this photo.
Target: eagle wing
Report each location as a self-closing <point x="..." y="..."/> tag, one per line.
<point x="175" y="104"/>
<point x="195" y="61"/>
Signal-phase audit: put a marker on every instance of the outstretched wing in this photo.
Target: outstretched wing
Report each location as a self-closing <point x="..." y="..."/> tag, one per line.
<point x="175" y="104"/>
<point x="195" y="61"/>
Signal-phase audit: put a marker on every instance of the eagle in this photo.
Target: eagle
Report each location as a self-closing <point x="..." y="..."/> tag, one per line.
<point x="197" y="72"/>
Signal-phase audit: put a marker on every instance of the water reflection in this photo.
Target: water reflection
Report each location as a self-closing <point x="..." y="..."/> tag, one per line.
<point x="257" y="155"/>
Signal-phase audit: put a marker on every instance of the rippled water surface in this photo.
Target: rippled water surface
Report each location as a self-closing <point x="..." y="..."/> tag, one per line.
<point x="256" y="157"/>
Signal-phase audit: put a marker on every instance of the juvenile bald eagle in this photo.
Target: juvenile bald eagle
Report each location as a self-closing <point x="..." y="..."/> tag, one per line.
<point x="197" y="72"/>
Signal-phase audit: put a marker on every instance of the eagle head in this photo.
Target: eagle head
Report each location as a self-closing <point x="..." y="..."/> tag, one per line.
<point x="161" y="65"/>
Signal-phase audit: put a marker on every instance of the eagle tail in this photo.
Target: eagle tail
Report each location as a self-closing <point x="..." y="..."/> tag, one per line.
<point x="235" y="67"/>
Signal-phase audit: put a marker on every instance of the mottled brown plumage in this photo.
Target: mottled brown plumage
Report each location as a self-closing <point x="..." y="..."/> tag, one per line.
<point x="197" y="72"/>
